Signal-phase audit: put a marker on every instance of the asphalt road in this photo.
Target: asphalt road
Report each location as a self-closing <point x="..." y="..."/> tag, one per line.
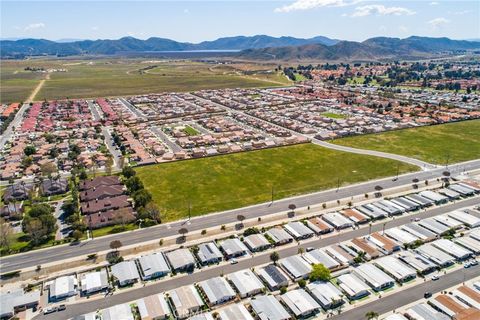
<point x="34" y="258"/>
<point x="410" y="295"/>
<point x="132" y="108"/>
<point x="15" y="123"/>
<point x="214" y="271"/>
<point x="162" y="136"/>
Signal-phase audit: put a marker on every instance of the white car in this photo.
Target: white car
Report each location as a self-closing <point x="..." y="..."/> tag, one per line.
<point x="49" y="310"/>
<point x="435" y="277"/>
<point x="233" y="261"/>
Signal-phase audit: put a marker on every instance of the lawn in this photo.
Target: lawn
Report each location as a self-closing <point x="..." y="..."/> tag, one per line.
<point x="100" y="232"/>
<point x="236" y="180"/>
<point x="190" y="131"/>
<point x="333" y="115"/>
<point x="452" y="142"/>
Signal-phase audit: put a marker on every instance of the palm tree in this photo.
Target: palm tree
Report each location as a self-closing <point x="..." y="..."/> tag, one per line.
<point x="371" y="315"/>
<point x="292" y="207"/>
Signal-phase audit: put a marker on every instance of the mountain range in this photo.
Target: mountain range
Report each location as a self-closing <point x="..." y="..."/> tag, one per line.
<point x="26" y="47"/>
<point x="371" y="49"/>
<point x="259" y="47"/>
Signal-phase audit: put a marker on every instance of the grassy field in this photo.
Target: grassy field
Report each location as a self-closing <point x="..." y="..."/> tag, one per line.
<point x="114" y="77"/>
<point x="333" y="115"/>
<point x="455" y="142"/>
<point x="232" y="181"/>
<point x="191" y="131"/>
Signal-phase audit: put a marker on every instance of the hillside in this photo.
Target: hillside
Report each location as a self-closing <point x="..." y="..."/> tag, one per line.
<point x="27" y="47"/>
<point x="371" y="49"/>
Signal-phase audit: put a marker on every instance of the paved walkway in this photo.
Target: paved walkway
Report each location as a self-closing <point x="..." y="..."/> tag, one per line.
<point x="419" y="163"/>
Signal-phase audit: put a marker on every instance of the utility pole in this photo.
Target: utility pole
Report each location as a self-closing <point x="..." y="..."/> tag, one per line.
<point x="272" y="193"/>
<point x="189" y="209"/>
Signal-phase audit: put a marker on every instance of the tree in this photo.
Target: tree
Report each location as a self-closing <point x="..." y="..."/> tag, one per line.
<point x="153" y="212"/>
<point x="77" y="234"/>
<point x="240" y="218"/>
<point x="48" y="169"/>
<point x="5" y="234"/>
<point x="141" y="198"/>
<point x="292" y="207"/>
<point x="371" y="315"/>
<point x="183" y="232"/>
<point x="115" y="245"/>
<point x="319" y="273"/>
<point x="83" y="175"/>
<point x="274" y="256"/>
<point x="29" y="150"/>
<point x="41" y="209"/>
<point x="302" y="283"/>
<point x="134" y="184"/>
<point x="128" y="172"/>
<point x="109" y="164"/>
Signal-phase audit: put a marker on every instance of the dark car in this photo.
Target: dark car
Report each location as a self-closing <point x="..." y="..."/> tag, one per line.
<point x="427" y="295"/>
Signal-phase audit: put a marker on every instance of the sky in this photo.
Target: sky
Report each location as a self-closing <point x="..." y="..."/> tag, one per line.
<point x="196" y="21"/>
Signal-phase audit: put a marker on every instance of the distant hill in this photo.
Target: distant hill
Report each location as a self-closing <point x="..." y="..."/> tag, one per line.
<point x="26" y="47"/>
<point x="371" y="49"/>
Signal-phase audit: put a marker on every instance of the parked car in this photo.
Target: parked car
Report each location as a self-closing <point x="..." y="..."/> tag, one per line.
<point x="427" y="295"/>
<point x="310" y="249"/>
<point x="435" y="277"/>
<point x="233" y="261"/>
<point x="49" y="310"/>
<point x="61" y="307"/>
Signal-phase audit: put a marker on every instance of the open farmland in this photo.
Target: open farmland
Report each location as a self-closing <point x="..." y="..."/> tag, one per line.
<point x="99" y="78"/>
<point x="452" y="142"/>
<point x="236" y="180"/>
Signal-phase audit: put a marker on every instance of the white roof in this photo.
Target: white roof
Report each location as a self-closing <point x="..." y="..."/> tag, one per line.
<point x="233" y="246"/>
<point x="278" y="235"/>
<point x="436" y="255"/>
<point x="209" y="251"/>
<point x="255" y="241"/>
<point x="125" y="271"/>
<point x="451" y="248"/>
<point x="63" y="286"/>
<point x="180" y="258"/>
<point x="432" y="195"/>
<point x="153" y="306"/>
<point x="372" y="275"/>
<point x="395" y="267"/>
<point x="217" y="289"/>
<point x="235" y="312"/>
<point x="448" y="221"/>
<point x="395" y="316"/>
<point x="295" y="266"/>
<point x="118" y="312"/>
<point x="299" y="302"/>
<point x="468" y="219"/>
<point x="468" y="243"/>
<point x="319" y="256"/>
<point x="298" y="229"/>
<point x="94" y="280"/>
<point x="153" y="264"/>
<point x="245" y="281"/>
<point x="337" y="220"/>
<point x="202" y="316"/>
<point x="185" y="299"/>
<point x="352" y="285"/>
<point x="400" y="235"/>
<point x="416" y="260"/>
<point x="324" y="292"/>
<point x="268" y="308"/>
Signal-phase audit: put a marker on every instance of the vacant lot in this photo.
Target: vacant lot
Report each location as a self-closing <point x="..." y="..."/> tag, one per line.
<point x="116" y="77"/>
<point x="452" y="142"/>
<point x="232" y="181"/>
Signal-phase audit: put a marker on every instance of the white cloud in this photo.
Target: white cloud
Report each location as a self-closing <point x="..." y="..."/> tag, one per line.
<point x="460" y="13"/>
<point x="403" y="29"/>
<point x="381" y="10"/>
<point x="438" y="22"/>
<point x="301" y="5"/>
<point x="33" y="26"/>
<point x="186" y="11"/>
<point x="434" y="3"/>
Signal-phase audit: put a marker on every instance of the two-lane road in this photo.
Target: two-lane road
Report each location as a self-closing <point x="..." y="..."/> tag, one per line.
<point x="34" y="258"/>
<point x="214" y="271"/>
